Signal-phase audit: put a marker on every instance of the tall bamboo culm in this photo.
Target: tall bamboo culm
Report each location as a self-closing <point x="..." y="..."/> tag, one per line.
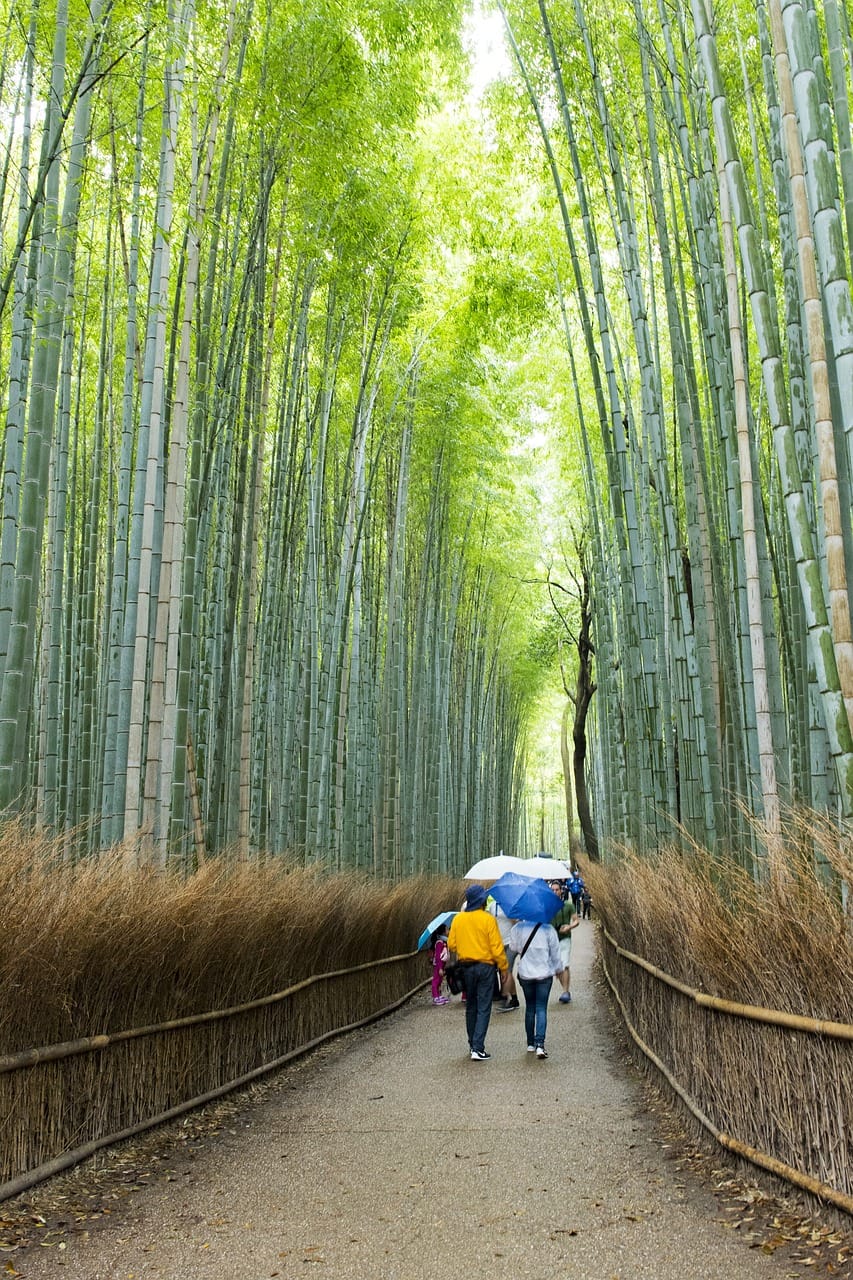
<point x="721" y="217"/>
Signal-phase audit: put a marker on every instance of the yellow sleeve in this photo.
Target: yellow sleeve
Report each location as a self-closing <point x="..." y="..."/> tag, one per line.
<point x="497" y="945"/>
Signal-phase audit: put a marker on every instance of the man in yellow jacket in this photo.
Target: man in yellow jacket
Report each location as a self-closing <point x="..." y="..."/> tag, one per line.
<point x="475" y="940"/>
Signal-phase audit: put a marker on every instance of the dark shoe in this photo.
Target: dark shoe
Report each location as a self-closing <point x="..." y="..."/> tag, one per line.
<point x="479" y="1057"/>
<point x="565" y="998"/>
<point x="507" y="1005"/>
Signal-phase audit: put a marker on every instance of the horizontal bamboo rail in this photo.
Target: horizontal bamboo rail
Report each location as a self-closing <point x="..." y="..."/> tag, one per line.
<point x="775" y="1017"/>
<point x="92" y="1044"/>
<point x="772" y="1017"/>
<point x="30" y="1058"/>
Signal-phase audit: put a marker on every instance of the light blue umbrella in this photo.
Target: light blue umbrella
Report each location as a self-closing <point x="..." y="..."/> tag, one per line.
<point x="526" y="898"/>
<point x="444" y="918"/>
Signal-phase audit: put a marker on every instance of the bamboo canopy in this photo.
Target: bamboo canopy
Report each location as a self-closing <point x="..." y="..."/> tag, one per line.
<point x="287" y="314"/>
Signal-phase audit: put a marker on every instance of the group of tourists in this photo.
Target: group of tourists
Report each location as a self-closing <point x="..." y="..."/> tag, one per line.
<point x="491" y="952"/>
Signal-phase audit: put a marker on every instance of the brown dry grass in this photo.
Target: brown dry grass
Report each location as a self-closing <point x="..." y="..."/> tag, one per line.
<point x="100" y="946"/>
<point x="784" y="944"/>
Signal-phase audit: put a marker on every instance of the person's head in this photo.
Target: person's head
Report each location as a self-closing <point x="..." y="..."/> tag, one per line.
<point x="475" y="897"/>
<point x="559" y="887"/>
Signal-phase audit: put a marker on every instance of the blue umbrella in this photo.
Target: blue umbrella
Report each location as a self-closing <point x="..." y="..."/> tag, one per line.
<point x="526" y="898"/>
<point x="443" y="918"/>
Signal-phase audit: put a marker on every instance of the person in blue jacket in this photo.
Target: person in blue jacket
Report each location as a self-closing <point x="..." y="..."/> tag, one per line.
<point x="576" y="888"/>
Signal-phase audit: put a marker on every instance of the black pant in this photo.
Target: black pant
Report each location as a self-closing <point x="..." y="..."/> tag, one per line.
<point x="479" y="987"/>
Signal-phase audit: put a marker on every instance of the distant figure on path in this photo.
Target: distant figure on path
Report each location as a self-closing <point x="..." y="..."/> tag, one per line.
<point x="539" y="960"/>
<point x="439" y="963"/>
<point x="474" y="939"/>
<point x="576" y="888"/>
<point x="586" y="904"/>
<point x="564" y="922"/>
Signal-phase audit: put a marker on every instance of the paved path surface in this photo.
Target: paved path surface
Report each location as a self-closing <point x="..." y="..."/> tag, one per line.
<point x="391" y="1154"/>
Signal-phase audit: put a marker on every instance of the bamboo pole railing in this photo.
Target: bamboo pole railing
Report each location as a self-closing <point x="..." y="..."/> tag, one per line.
<point x="770" y="1017"/>
<point x="29" y="1059"/>
<point x="91" y="1044"/>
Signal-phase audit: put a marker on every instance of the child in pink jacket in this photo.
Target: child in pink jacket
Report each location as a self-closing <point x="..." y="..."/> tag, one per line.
<point x="439" y="960"/>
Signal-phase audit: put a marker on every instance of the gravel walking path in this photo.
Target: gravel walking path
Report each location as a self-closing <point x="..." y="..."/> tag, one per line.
<point x="390" y="1154"/>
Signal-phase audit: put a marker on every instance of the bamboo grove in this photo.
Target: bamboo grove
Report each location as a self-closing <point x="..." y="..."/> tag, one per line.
<point x="246" y="594"/>
<point x="700" y="153"/>
<point x="264" y="568"/>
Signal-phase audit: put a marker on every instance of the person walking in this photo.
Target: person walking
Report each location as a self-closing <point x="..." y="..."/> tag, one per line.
<point x="566" y="920"/>
<point x="539" y="960"/>
<point x="475" y="941"/>
<point x="576" y="888"/>
<point x="439" y="962"/>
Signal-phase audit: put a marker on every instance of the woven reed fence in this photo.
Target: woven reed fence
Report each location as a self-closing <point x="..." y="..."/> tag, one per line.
<point x="61" y="1103"/>
<point x="774" y="1088"/>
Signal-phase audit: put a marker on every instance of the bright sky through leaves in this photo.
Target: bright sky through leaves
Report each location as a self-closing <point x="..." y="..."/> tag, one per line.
<point x="485" y="41"/>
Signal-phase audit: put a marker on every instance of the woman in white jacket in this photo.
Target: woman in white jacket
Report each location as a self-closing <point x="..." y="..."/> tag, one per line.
<point x="539" y="959"/>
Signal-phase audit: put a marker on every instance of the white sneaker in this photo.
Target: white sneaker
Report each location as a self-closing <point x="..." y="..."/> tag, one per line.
<point x="541" y="1052"/>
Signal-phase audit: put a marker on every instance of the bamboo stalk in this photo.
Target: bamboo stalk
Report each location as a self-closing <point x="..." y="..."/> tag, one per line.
<point x="195" y="807"/>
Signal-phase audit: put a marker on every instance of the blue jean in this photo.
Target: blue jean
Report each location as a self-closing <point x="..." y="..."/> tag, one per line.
<point x="536" y="992"/>
<point x="479" y="990"/>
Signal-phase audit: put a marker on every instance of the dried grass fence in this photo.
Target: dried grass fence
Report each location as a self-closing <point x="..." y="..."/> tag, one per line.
<point x="93" y="1092"/>
<point x="131" y="996"/>
<point x="742" y="997"/>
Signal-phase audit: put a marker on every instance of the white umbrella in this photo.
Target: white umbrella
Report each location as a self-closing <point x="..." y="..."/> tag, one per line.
<point x="544" y="868"/>
<point x="493" y="868"/>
